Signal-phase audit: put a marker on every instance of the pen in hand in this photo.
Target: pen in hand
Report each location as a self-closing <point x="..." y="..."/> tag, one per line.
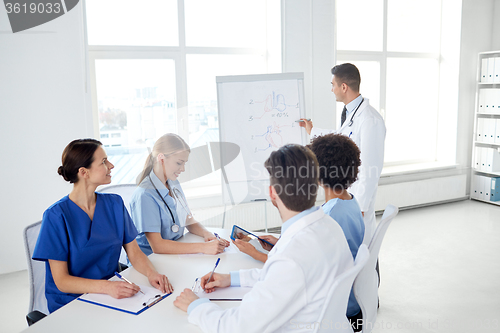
<point x="124" y="279"/>
<point x="218" y="259"/>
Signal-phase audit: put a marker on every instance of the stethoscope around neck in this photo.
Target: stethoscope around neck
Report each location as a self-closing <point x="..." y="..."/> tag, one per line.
<point x="174" y="227"/>
<point x="352" y="121"/>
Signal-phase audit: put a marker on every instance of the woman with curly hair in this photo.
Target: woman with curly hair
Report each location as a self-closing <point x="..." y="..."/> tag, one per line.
<point x="339" y="161"/>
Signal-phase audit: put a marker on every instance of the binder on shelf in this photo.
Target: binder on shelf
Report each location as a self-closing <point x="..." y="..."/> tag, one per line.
<point x="480" y="130"/>
<point x="480" y="108"/>
<point x="489" y="130"/>
<point x="477" y="158"/>
<point x="497" y="132"/>
<point x="481" y="187"/>
<point x="496" y="101"/>
<point x="486" y="188"/>
<point x="497" y="70"/>
<point x="495" y="189"/>
<point x="484" y="70"/>
<point x="493" y="101"/>
<point x="484" y="158"/>
<point x="474" y="190"/>
<point x="492" y="162"/>
<point x="491" y="69"/>
<point x="488" y="101"/>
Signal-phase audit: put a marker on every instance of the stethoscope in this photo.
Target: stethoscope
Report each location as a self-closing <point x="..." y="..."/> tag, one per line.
<point x="356" y="110"/>
<point x="182" y="201"/>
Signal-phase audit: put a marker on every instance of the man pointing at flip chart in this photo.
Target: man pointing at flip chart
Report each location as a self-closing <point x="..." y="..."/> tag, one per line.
<point x="365" y="126"/>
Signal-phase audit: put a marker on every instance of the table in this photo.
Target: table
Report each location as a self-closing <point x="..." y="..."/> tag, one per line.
<point x="181" y="270"/>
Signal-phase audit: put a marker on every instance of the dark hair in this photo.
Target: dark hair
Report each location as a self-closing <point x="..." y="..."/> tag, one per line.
<point x="294" y="175"/>
<point x="339" y="160"/>
<point x="78" y="153"/>
<point x="348" y="74"/>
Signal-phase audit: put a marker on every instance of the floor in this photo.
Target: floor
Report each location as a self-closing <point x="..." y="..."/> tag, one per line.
<point x="440" y="272"/>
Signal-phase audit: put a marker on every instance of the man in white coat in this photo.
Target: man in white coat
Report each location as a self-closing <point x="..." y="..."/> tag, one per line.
<point x="289" y="291"/>
<point x="366" y="127"/>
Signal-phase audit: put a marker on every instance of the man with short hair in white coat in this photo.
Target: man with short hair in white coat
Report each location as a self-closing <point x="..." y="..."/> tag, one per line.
<point x="289" y="292"/>
<point x="366" y="127"/>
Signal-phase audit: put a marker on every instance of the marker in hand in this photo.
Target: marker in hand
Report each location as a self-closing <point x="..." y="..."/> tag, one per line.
<point x="124" y="279"/>
<point x="218" y="259"/>
<point x="301" y="121"/>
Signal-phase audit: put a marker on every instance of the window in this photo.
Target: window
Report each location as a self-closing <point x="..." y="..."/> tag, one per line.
<point x="408" y="62"/>
<point x="153" y="69"/>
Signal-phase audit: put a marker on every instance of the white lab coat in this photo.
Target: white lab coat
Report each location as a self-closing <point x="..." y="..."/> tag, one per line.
<point x="289" y="291"/>
<point x="368" y="132"/>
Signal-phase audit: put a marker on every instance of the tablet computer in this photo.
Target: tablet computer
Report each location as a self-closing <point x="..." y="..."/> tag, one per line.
<point x="242" y="234"/>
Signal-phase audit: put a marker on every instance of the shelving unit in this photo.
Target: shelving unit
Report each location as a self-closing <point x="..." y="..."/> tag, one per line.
<point x="485" y="180"/>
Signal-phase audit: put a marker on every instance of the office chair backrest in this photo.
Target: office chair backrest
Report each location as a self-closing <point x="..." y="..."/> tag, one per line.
<point x="366" y="283"/>
<point x="333" y="315"/>
<point x="123" y="190"/>
<point x="36" y="270"/>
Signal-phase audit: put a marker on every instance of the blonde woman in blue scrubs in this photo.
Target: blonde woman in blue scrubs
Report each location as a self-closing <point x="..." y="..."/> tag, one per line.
<point x="82" y="234"/>
<point x="159" y="208"/>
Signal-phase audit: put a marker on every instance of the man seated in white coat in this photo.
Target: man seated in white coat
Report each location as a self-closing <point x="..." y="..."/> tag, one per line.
<point x="289" y="291"/>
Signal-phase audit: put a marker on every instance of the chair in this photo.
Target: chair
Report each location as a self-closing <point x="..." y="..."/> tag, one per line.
<point x="366" y="283"/>
<point x="333" y="315"/>
<point x="125" y="191"/>
<point x="36" y="271"/>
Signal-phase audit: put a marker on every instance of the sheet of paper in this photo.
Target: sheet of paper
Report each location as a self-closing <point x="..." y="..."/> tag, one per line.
<point x="230" y="293"/>
<point x="132" y="304"/>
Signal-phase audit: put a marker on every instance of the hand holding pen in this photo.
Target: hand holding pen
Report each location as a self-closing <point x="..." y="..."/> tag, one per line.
<point x="211" y="280"/>
<point x="124" y="279"/>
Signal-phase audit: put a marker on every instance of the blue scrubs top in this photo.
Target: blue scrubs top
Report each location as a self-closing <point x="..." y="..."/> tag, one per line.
<point x="348" y="215"/>
<point x="150" y="214"/>
<point x="91" y="248"/>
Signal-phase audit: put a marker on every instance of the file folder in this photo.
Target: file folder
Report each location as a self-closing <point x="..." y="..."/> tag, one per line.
<point x="486" y="188"/>
<point x="484" y="159"/>
<point x="474" y="191"/>
<point x="491" y="69"/>
<point x="481" y="108"/>
<point x="481" y="187"/>
<point x="495" y="189"/>
<point x="484" y="70"/>
<point x="488" y="101"/>
<point x="489" y="130"/>
<point x="480" y="130"/>
<point x="497" y="70"/>
<point x="477" y="158"/>
<point x="492" y="163"/>
<point x="497" y="132"/>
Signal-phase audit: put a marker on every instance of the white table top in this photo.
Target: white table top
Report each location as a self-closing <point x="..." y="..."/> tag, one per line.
<point x="181" y="270"/>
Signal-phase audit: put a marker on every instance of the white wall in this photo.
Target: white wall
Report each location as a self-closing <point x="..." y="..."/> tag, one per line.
<point x="43" y="106"/>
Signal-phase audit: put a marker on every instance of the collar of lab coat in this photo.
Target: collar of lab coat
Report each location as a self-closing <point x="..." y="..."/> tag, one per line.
<point x="362" y="107"/>
<point x="289" y="233"/>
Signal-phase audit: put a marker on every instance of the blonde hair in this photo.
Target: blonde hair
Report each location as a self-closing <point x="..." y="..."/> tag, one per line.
<point x="167" y="144"/>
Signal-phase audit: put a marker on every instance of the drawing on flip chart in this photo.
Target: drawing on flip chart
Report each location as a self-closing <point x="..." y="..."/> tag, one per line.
<point x="258" y="113"/>
<point x="274" y="105"/>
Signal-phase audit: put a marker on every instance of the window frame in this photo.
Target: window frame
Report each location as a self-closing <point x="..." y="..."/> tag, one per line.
<point x="382" y="57"/>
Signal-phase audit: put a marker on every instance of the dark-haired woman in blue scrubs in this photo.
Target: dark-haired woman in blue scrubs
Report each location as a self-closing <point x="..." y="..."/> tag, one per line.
<point x="82" y="234"/>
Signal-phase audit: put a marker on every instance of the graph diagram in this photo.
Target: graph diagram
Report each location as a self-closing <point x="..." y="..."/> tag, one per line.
<point x="274" y="105"/>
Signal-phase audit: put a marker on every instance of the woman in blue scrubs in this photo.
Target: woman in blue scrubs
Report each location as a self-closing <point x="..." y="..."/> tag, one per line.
<point x="159" y="208"/>
<point x="82" y="234"/>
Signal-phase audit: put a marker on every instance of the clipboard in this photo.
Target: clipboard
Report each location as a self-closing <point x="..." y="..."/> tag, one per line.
<point x="133" y="305"/>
